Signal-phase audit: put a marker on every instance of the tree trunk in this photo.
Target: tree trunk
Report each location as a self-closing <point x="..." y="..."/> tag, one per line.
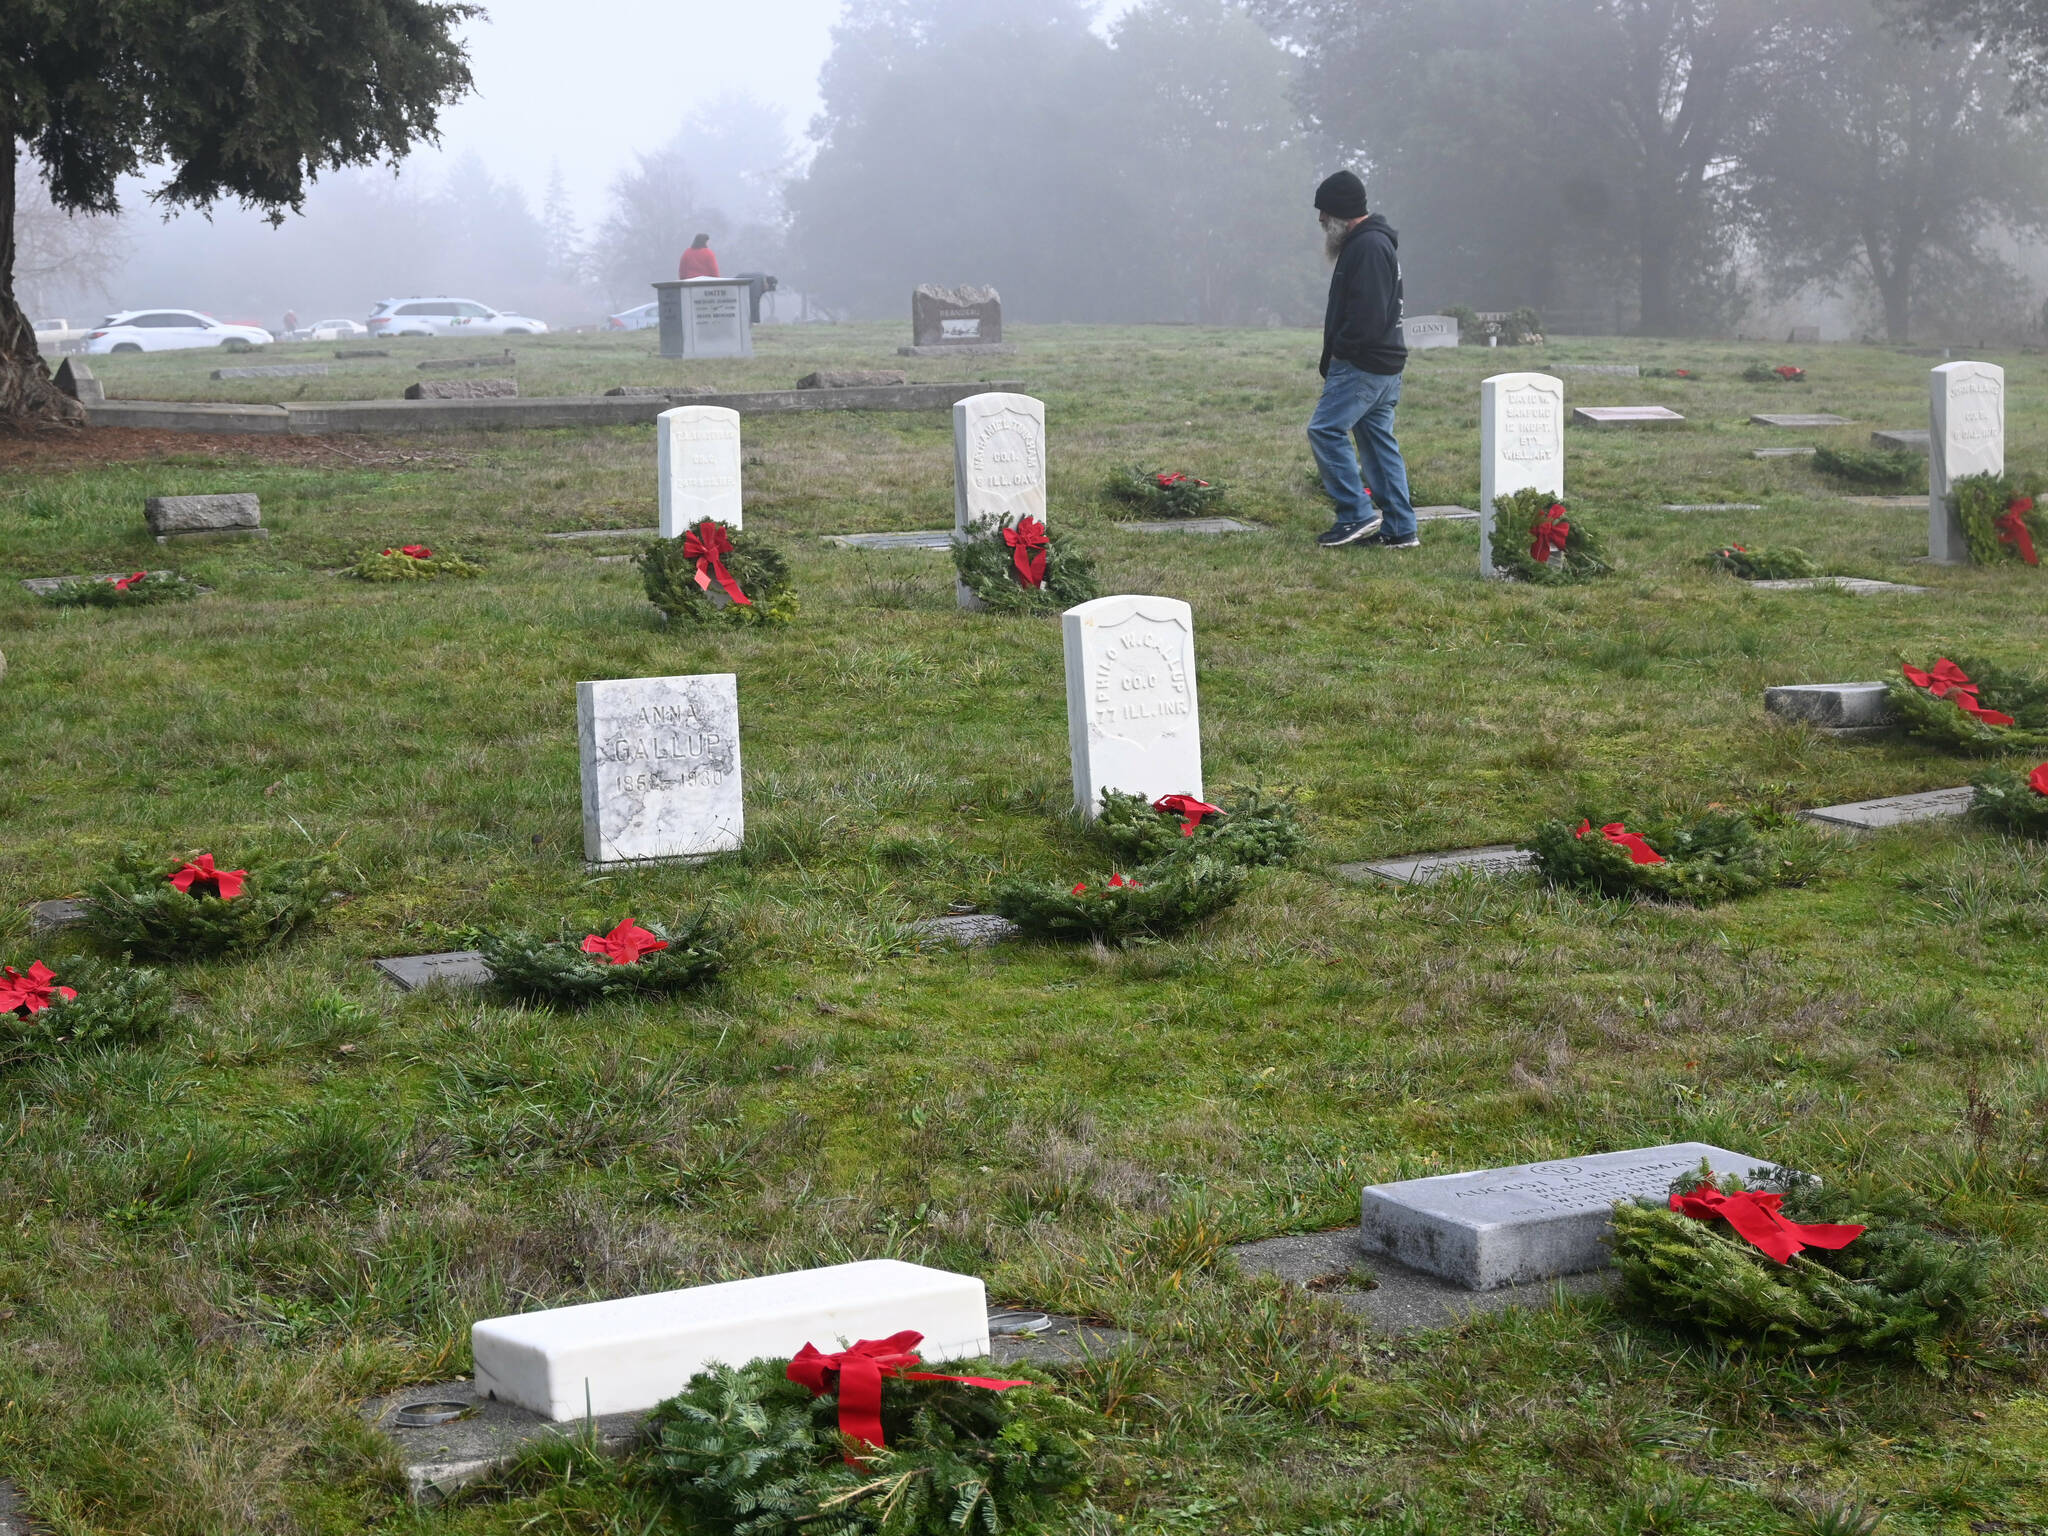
<point x="1898" y="304"/>
<point x="27" y="397"/>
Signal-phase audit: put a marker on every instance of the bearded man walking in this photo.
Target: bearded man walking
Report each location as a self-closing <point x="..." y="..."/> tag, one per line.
<point x="1363" y="355"/>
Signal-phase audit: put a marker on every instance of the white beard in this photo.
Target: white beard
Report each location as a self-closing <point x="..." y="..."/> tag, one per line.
<point x="1334" y="236"/>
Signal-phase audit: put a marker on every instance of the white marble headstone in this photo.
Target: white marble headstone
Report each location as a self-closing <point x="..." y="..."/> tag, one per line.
<point x="1521" y="444"/>
<point x="661" y="767"/>
<point x="998" y="459"/>
<point x="1419" y="333"/>
<point x="1133" y="721"/>
<point x="700" y="467"/>
<point x="1966" y="436"/>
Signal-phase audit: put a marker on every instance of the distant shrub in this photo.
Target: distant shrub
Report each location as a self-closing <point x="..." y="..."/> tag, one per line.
<point x="1888" y="467"/>
<point x="1515" y="521"/>
<point x="1763" y="563"/>
<point x="143" y="907"/>
<point x="140" y="590"/>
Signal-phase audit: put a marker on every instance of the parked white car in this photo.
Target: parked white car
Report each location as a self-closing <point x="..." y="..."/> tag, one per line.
<point x="334" y="330"/>
<point x="640" y="318"/>
<point x="449" y="317"/>
<point x="53" y="336"/>
<point x="170" y="330"/>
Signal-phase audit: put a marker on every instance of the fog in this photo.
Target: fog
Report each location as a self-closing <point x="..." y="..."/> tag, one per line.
<point x="1709" y="166"/>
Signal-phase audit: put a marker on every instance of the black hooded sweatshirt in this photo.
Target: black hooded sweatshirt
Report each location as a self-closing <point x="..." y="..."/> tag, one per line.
<point x="1362" y="325"/>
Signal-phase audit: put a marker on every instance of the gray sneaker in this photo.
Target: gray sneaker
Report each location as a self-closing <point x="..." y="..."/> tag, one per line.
<point x="1349" y="533"/>
<point x="1386" y="539"/>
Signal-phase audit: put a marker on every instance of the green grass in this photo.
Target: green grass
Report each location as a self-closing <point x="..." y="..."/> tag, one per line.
<point x="216" y="1246"/>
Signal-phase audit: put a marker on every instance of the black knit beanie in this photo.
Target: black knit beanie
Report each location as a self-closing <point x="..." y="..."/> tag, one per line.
<point x="1341" y="196"/>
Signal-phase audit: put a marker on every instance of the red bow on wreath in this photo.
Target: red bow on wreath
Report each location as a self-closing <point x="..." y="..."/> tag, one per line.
<point x="708" y="544"/>
<point x="1754" y="1215"/>
<point x="2013" y="530"/>
<point x="1186" y="806"/>
<point x="33" y="992"/>
<point x="625" y="944"/>
<point x="2038" y="780"/>
<point x="1789" y="373"/>
<point x="860" y="1371"/>
<point x="1027" y="543"/>
<point x="226" y="883"/>
<point x="1639" y="852"/>
<point x="1949" y="681"/>
<point x="1550" y="534"/>
<point x="1168" y="482"/>
<point x="123" y="583"/>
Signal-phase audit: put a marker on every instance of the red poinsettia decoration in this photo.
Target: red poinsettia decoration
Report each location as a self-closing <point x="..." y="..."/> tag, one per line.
<point x="23" y="994"/>
<point x="1169" y="481"/>
<point x="2012" y="529"/>
<point x="1188" y="807"/>
<point x="1027" y="541"/>
<point x="625" y="944"/>
<point x="1639" y="852"/>
<point x="1550" y="534"/>
<point x="2038" y="780"/>
<point x="200" y="878"/>
<point x="123" y="583"/>
<point x="1790" y="374"/>
<point x="1951" y="682"/>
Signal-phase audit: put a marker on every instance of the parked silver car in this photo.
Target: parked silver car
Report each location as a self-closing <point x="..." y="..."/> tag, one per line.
<point x="449" y="317"/>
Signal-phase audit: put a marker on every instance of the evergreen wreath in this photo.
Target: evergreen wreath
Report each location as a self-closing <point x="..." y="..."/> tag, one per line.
<point x="1254" y="829"/>
<point x="1764" y="373"/>
<point x="1902" y="1289"/>
<point x="146" y="905"/>
<point x="410" y="562"/>
<point x="1687" y="374"/>
<point x="1515" y="520"/>
<point x="570" y="973"/>
<point x="1170" y="493"/>
<point x="987" y="567"/>
<point x="1716" y="858"/>
<point x="1763" y="563"/>
<point x="107" y="1005"/>
<point x="1871" y="466"/>
<point x="669" y="571"/>
<point x="1159" y="900"/>
<point x="752" y="1453"/>
<point x="137" y="591"/>
<point x="1953" y="709"/>
<point x="2013" y="802"/>
<point x="2001" y="522"/>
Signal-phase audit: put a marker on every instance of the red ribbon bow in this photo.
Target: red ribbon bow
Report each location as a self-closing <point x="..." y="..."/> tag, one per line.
<point x="2013" y="530"/>
<point x="1186" y="806"/>
<point x="33" y="992"/>
<point x="1550" y="534"/>
<point x="1949" y="681"/>
<point x="2038" y="780"/>
<point x="1177" y="478"/>
<point x="708" y="544"/>
<point x="415" y="551"/>
<point x="1116" y="882"/>
<point x="1789" y="372"/>
<point x="123" y="583"/>
<point x="625" y="944"/>
<point x="226" y="883"/>
<point x="1615" y="832"/>
<point x="1027" y="543"/>
<point x="1754" y="1215"/>
<point x="860" y="1371"/>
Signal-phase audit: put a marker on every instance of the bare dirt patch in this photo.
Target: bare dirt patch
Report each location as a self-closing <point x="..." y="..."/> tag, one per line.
<point x="81" y="448"/>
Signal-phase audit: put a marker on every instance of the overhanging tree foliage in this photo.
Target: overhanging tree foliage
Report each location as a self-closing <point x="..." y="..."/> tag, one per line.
<point x="244" y="99"/>
<point x="2017" y="29"/>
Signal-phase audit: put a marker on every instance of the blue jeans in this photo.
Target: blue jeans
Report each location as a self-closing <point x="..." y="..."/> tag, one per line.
<point x="1361" y="405"/>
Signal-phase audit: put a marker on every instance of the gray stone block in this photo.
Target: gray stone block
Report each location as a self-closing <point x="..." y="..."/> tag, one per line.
<point x="1797" y="420"/>
<point x="1507" y="1226"/>
<point x="1193" y="525"/>
<point x="953" y="319"/>
<point x="965" y="928"/>
<point x="463" y="389"/>
<point x="961" y="349"/>
<point x="48" y="916"/>
<point x="933" y="538"/>
<point x="238" y="512"/>
<point x="212" y="416"/>
<point x="609" y="533"/>
<point x="658" y="391"/>
<point x="454" y="967"/>
<point x="1446" y="515"/>
<point x="1783" y="453"/>
<point x="852" y="378"/>
<point x="1897" y="811"/>
<point x="1615" y="370"/>
<point x="1912" y="440"/>
<point x="75" y="378"/>
<point x="1831" y="706"/>
<point x="1625" y="416"/>
<point x="1713" y="506"/>
<point x="1422" y="868"/>
<point x="1856" y="586"/>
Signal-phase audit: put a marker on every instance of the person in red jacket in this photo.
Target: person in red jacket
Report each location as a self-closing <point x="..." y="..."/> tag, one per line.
<point x="698" y="260"/>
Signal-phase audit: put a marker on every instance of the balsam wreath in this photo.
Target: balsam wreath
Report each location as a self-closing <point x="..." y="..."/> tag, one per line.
<point x="411" y="562"/>
<point x="1249" y="828"/>
<point x="139" y="589"/>
<point x="2013" y="802"/>
<point x="712" y="574"/>
<point x="1764" y="562"/>
<point x="81" y="1005"/>
<point x="1156" y="901"/>
<point x="190" y="908"/>
<point x="629" y="960"/>
<point x="1867" y="1271"/>
<point x="1169" y="492"/>
<point x="2000" y="520"/>
<point x="1967" y="705"/>
<point x="1023" y="567"/>
<point x="1536" y="538"/>
<point x="1717" y="857"/>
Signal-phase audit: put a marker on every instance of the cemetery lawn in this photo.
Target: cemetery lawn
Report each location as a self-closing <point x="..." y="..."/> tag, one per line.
<point x="216" y="1246"/>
